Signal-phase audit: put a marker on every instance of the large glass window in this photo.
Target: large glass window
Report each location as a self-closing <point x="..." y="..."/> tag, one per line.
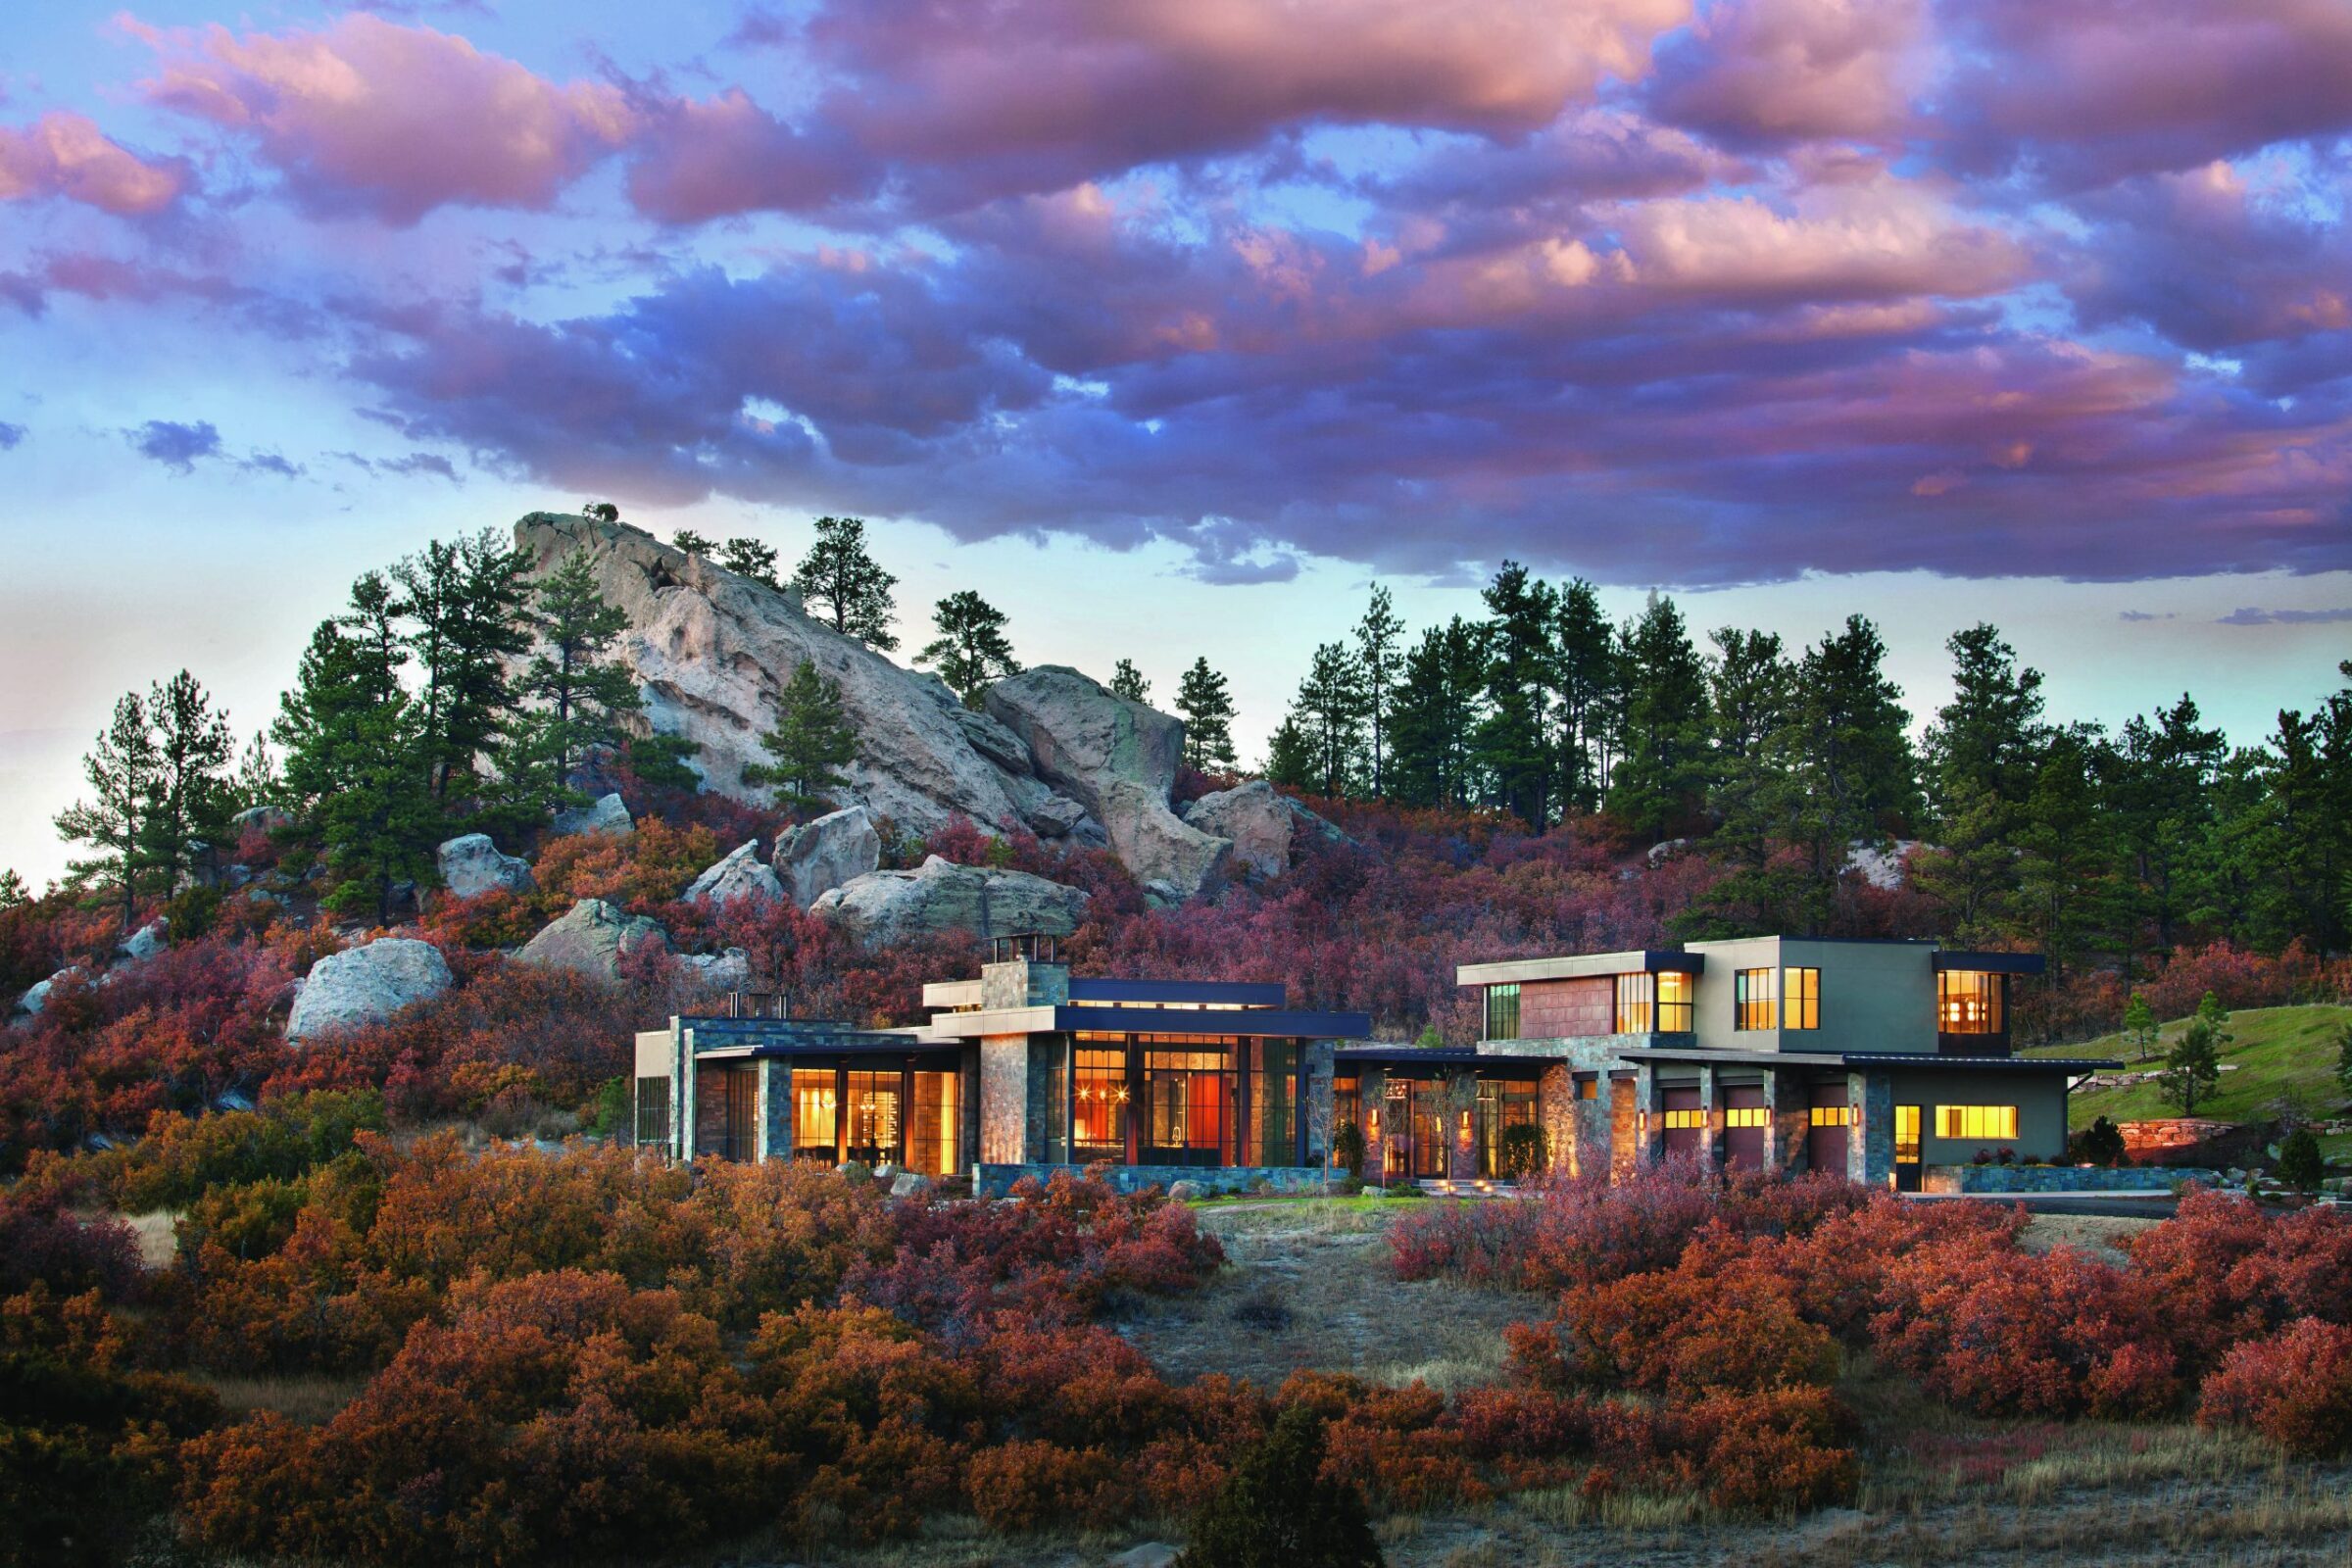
<point x="1968" y="1002"/>
<point x="873" y="1116"/>
<point x="813" y="1109"/>
<point x="1675" y="993"/>
<point x="1752" y="1000"/>
<point x="1906" y="1134"/>
<point x="1501" y="1106"/>
<point x="1800" y="999"/>
<point x="1274" y="1103"/>
<point x="1099" y="1112"/>
<point x="1975" y="1121"/>
<point x="1502" y="1012"/>
<point x="1188" y="1097"/>
<point x="935" y="1137"/>
<point x="1634" y="999"/>
<point x="652" y="1112"/>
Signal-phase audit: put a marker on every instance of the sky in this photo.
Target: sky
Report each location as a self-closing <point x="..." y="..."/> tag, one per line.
<point x="1172" y="325"/>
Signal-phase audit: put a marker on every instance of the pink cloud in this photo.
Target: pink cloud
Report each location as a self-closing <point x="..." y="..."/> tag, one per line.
<point x="65" y="155"/>
<point x="368" y="116"/>
<point x="1765" y="71"/>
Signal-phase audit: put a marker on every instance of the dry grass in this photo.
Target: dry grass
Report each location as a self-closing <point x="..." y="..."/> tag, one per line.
<point x="312" y="1399"/>
<point x="2100" y="1235"/>
<point x="159" y="1242"/>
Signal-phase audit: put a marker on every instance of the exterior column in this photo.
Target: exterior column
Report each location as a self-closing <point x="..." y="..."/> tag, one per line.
<point x="1625" y="1122"/>
<point x="1372" y="1091"/>
<point x="689" y="1101"/>
<point x="1710" y="1119"/>
<point x="1245" y="1058"/>
<point x="1300" y="1091"/>
<point x="1555" y="1113"/>
<point x="905" y="1111"/>
<point x="1136" y="1108"/>
<point x="1870" y="1141"/>
<point x="772" y="1138"/>
<point x="1789" y="1119"/>
<point x="1653" y="1114"/>
<point x="1462" y="1099"/>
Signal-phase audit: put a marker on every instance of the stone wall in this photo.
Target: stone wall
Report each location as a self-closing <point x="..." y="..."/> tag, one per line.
<point x="995" y="1180"/>
<point x="1004" y="1100"/>
<point x="2059" y="1179"/>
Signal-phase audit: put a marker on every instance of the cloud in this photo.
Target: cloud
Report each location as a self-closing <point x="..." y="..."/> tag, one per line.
<point x="367" y="116"/>
<point x="65" y="155"/>
<point x="2250" y="616"/>
<point x="11" y="436"/>
<point x="270" y="463"/>
<point x="1763" y="72"/>
<point x="174" y="445"/>
<point x="408" y="463"/>
<point x="2145" y="615"/>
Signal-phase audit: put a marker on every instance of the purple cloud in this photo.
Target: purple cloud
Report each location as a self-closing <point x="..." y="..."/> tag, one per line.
<point x="65" y="155"/>
<point x="174" y="445"/>
<point x="2250" y="616"/>
<point x="11" y="436"/>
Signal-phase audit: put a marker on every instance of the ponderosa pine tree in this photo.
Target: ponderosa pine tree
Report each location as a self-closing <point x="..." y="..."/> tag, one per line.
<point x="466" y="603"/>
<point x="693" y="544"/>
<point x="1660" y="777"/>
<point x="1329" y="711"/>
<point x="2069" y="901"/>
<point x="257" y="782"/>
<point x="1850" y="755"/>
<point x="1583" y="680"/>
<point x="1205" y="704"/>
<point x="192" y="798"/>
<point x="355" y="778"/>
<point x="1436" y="717"/>
<point x="748" y="558"/>
<point x="600" y="511"/>
<point x="1128" y="681"/>
<point x="12" y="893"/>
<point x="1981" y="753"/>
<point x="1292" y="759"/>
<point x="2139" y="1027"/>
<point x="1379" y="659"/>
<point x="841" y="583"/>
<point x="1750" y="689"/>
<point x="810" y="742"/>
<point x="120" y="770"/>
<point x="579" y="692"/>
<point x="2158" y="791"/>
<point x="970" y="650"/>
<point x="1514" y="739"/>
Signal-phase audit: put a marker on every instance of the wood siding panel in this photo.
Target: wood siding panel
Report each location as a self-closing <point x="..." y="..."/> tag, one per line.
<point x="1564" y="1009"/>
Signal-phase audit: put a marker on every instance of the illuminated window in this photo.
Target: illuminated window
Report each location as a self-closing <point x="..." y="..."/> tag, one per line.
<point x="1751" y="999"/>
<point x="1674" y="1002"/>
<point x="1099" y="1116"/>
<point x="1678" y="1121"/>
<point x="1906" y="1134"/>
<point x="1588" y="1088"/>
<point x="814" y="1111"/>
<point x="1746" y="1116"/>
<point x="1833" y="1117"/>
<point x="653" y="1111"/>
<point x="1975" y="1121"/>
<point x="935" y="1138"/>
<point x="1800" y="999"/>
<point x="1633" y="1003"/>
<point x="1968" y="1002"/>
<point x="1502" y="1012"/>
<point x="1273" y="1104"/>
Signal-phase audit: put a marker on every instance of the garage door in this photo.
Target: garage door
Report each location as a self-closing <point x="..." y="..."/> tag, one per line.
<point x="1744" y="1118"/>
<point x="1686" y="1123"/>
<point x="1833" y="1122"/>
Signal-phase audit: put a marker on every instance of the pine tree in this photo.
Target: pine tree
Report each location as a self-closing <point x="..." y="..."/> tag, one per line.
<point x="2068" y="900"/>
<point x="1750" y="690"/>
<point x="1279" y="1509"/>
<point x="2158" y="791"/>
<point x="1584" y="676"/>
<point x="748" y="558"/>
<point x="1980" y="762"/>
<point x="12" y="893"/>
<point x="1205" y="704"/>
<point x="579" y="690"/>
<point x="1292" y="759"/>
<point x="1659" y="780"/>
<point x="2139" y="1027"/>
<point x="1514" y="746"/>
<point x="970" y="649"/>
<point x="841" y="583"/>
<point x="467" y="604"/>
<point x="659" y="761"/>
<point x="2192" y="1069"/>
<point x="691" y="542"/>
<point x="120" y="769"/>
<point x="811" y="741"/>
<point x="1436" y="714"/>
<point x="192" y="798"/>
<point x="1329" y="711"/>
<point x="1128" y="681"/>
<point x="1379" y="658"/>
<point x="1850" y="757"/>
<point x="355" y="775"/>
<point x="257" y="782"/>
<point x="600" y="511"/>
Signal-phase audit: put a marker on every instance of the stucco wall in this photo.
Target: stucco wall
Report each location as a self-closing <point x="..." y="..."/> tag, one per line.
<point x="2039" y="1099"/>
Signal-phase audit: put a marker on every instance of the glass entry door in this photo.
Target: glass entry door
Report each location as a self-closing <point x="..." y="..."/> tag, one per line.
<point x="1189" y="1107"/>
<point x="873" y="1118"/>
<point x="1906" y="1148"/>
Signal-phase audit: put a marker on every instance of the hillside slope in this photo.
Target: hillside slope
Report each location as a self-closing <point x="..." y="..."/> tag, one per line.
<point x="2284" y="1060"/>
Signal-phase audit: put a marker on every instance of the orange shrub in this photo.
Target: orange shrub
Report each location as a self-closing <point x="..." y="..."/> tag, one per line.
<point x="1026" y="1485"/>
<point x="2296" y="1389"/>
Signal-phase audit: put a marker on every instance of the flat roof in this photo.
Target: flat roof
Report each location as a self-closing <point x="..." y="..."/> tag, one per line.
<point x="1990" y="962"/>
<point x="1864" y="1059"/>
<point x="1255" y="1022"/>
<point x="1444" y="1056"/>
<point x="1578" y="966"/>
<point x="1229" y="992"/>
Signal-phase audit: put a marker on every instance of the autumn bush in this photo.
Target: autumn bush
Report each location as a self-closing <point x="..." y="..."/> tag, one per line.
<point x="2226" y="1271"/>
<point x="2295" y="1388"/>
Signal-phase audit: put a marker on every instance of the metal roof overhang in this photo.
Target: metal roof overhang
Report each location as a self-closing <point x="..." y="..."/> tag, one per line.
<point x="894" y="1048"/>
<point x="1446" y="1058"/>
<point x="1925" y="1060"/>
<point x="1255" y="1022"/>
<point x="1991" y="963"/>
<point x="1578" y="966"/>
<point x="1229" y="992"/>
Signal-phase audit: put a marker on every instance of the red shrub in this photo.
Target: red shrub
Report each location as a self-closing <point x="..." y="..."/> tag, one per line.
<point x="2226" y="1271"/>
<point x="1685" y="1332"/>
<point x="2296" y="1389"/>
<point x="1777" y="1452"/>
<point x="1026" y="1485"/>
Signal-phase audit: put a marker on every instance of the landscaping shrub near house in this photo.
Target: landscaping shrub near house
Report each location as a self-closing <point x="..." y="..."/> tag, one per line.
<point x="2295" y="1388"/>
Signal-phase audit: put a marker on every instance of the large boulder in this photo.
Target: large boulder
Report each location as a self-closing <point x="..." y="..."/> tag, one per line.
<point x="605" y="815"/>
<point x="730" y="971"/>
<point x="367" y="985"/>
<point x="471" y="866"/>
<point x="712" y="650"/>
<point x="147" y="941"/>
<point x="593" y="939"/>
<point x="1083" y="737"/>
<point x="818" y="856"/>
<point x="260" y="820"/>
<point x="738" y="877"/>
<point x="37" y="997"/>
<point x="1265" y="826"/>
<point x="888" y="907"/>
<point x="1157" y="845"/>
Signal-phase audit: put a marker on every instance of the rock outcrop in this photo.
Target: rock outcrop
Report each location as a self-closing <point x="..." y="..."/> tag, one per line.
<point x="885" y="907"/>
<point x="37" y="997"/>
<point x="1265" y="826"/>
<point x="1119" y="761"/>
<point x="471" y="866"/>
<point x="816" y="858"/>
<point x="592" y="938"/>
<point x="147" y="941"/>
<point x="366" y="985"/>
<point x="260" y="818"/>
<point x="738" y="877"/>
<point x="730" y="971"/>
<point x="605" y="815"/>
<point x="712" y="650"/>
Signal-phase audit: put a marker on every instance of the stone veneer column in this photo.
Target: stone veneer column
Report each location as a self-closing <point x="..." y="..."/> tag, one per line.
<point x="1555" y="1112"/>
<point x="1004" y="1100"/>
<point x="1461" y="1154"/>
<point x="1372" y="1094"/>
<point x="1788" y="1113"/>
<point x="1625" y="1122"/>
<point x="773" y="1137"/>
<point x="1870" y="1141"/>
<point x="1710" y="1119"/>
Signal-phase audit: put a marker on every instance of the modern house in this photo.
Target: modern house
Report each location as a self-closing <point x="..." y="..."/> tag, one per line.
<point x="1873" y="1059"/>
<point x="1021" y="1070"/>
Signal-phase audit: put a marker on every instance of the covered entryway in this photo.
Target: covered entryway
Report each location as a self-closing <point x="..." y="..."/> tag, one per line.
<point x="1744" y="1117"/>
<point x="1686" y="1123"/>
<point x="1832" y="1121"/>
